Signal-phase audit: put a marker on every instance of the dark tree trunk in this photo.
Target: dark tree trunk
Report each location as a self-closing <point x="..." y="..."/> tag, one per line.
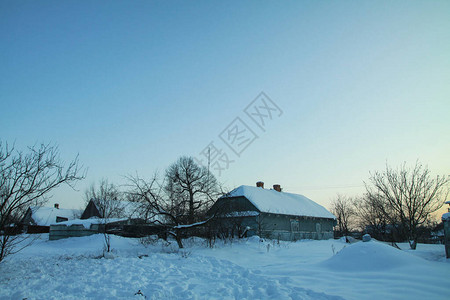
<point x="191" y="208"/>
<point x="178" y="238"/>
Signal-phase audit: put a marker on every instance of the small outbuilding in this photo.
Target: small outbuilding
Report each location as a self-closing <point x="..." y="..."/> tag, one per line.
<point x="125" y="218"/>
<point x="116" y="209"/>
<point x="38" y="219"/>
<point x="271" y="213"/>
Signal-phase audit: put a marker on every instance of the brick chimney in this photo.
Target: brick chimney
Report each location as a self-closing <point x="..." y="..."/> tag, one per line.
<point x="260" y="184"/>
<point x="277" y="187"/>
<point x="56" y="205"/>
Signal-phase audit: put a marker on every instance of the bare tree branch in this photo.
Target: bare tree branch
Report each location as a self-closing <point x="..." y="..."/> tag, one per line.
<point x="411" y="196"/>
<point x="25" y="180"/>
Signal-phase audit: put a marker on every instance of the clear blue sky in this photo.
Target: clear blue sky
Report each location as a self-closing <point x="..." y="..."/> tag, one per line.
<point x="132" y="85"/>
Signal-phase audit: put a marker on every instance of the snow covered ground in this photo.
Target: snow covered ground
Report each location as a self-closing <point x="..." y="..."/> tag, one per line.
<point x="243" y="269"/>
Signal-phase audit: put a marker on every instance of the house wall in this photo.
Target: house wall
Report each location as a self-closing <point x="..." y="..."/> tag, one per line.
<point x="235" y="227"/>
<point x="29" y="225"/>
<point x="27" y="219"/>
<point x="291" y="228"/>
<point x="447" y="237"/>
<point x="287" y="228"/>
<point x="232" y="204"/>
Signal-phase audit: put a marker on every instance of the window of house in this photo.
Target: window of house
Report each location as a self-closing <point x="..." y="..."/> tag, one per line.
<point x="295" y="226"/>
<point x="318" y="228"/>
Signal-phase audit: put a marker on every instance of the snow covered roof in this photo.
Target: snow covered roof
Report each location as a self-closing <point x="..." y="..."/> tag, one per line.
<point x="271" y="201"/>
<point x="44" y="216"/>
<point x="124" y="209"/>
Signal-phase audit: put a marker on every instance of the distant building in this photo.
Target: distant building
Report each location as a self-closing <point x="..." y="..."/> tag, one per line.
<point x="446" y="221"/>
<point x="126" y="218"/>
<point x="39" y="219"/>
<point x="116" y="209"/>
<point x="271" y="213"/>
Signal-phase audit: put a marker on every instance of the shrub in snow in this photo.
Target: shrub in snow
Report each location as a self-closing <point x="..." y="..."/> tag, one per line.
<point x="366" y="238"/>
<point x="140" y="295"/>
<point x="148" y="240"/>
<point x="185" y="254"/>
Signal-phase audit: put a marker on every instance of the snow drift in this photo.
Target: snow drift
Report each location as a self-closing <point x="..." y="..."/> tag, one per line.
<point x="370" y="256"/>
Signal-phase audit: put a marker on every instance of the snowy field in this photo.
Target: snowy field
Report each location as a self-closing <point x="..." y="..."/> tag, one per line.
<point x="244" y="269"/>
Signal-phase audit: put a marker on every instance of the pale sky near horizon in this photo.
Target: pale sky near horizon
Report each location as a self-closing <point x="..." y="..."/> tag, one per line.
<point x="131" y="86"/>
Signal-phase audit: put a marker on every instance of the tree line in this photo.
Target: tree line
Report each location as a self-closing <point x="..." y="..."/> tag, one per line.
<point x="177" y="200"/>
<point x="398" y="204"/>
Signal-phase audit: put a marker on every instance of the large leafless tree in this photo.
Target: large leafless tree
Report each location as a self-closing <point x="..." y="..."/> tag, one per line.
<point x="26" y="178"/>
<point x="155" y="205"/>
<point x="371" y="216"/>
<point x="191" y="187"/>
<point x="109" y="202"/>
<point x="342" y="207"/>
<point x="107" y="197"/>
<point x="179" y="201"/>
<point x="410" y="194"/>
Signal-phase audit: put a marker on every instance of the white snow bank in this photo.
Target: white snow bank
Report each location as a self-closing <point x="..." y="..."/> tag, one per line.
<point x="370" y="256"/>
<point x="242" y="269"/>
<point x="69" y="269"/>
<point x="271" y="201"/>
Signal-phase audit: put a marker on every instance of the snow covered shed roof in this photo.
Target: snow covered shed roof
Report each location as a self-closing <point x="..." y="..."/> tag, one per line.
<point x="44" y="216"/>
<point x="272" y="201"/>
<point x="117" y="208"/>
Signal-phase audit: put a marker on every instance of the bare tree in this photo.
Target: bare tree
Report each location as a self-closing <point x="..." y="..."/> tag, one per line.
<point x="26" y="178"/>
<point x="342" y="207"/>
<point x="155" y="204"/>
<point x="108" y="200"/>
<point x="371" y="217"/>
<point x="191" y="187"/>
<point x="180" y="201"/>
<point x="410" y="194"/>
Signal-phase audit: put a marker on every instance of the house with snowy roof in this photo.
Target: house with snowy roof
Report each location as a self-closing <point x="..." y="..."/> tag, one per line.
<point x="125" y="218"/>
<point x="38" y="219"/>
<point x="271" y="213"/>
